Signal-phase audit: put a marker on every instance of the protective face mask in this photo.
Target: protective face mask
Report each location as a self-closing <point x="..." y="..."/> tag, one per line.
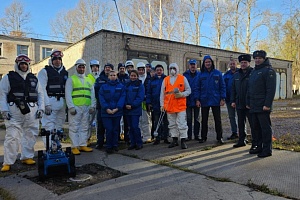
<point x="173" y="72"/>
<point x="95" y="73"/>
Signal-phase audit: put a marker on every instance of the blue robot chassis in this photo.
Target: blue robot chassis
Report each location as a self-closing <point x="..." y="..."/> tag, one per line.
<point x="55" y="161"/>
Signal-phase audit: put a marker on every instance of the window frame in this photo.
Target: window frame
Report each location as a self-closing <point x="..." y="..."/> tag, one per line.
<point x="44" y="52"/>
<point x="20" y="51"/>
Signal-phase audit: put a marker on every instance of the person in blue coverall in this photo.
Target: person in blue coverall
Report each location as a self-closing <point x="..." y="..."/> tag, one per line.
<point x="124" y="79"/>
<point x="112" y="99"/>
<point x="102" y="79"/>
<point x="192" y="111"/>
<point x="228" y="79"/>
<point x="210" y="93"/>
<point x="152" y="101"/>
<point x="135" y="93"/>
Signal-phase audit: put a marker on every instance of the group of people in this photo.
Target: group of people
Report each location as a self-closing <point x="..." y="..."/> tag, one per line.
<point x="150" y="104"/>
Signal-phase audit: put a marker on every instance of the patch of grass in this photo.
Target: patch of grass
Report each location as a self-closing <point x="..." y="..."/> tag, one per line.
<point x="287" y="142"/>
<point x="207" y="148"/>
<point x="4" y="194"/>
<point x="264" y="188"/>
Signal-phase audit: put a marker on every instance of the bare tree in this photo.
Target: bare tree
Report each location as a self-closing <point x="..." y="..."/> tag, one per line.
<point x="220" y="11"/>
<point x="15" y="20"/>
<point x="198" y="9"/>
<point x="87" y="17"/>
<point x="234" y="9"/>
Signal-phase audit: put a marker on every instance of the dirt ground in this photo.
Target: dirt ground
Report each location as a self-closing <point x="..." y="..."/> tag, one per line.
<point x="62" y="184"/>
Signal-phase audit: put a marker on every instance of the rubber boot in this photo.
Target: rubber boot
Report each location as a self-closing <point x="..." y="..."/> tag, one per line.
<point x="28" y="161"/>
<point x="174" y="143"/>
<point x="183" y="144"/>
<point x="5" y="168"/>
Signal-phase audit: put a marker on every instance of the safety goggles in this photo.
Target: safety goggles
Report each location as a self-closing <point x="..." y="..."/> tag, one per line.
<point x="22" y="58"/>
<point x="57" y="54"/>
<point x="172" y="68"/>
<point x="56" y="58"/>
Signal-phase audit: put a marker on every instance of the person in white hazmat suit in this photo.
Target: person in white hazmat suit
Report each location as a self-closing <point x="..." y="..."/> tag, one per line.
<point x="145" y="119"/>
<point x="53" y="79"/>
<point x="81" y="102"/>
<point x="174" y="90"/>
<point x="22" y="104"/>
<point x="93" y="75"/>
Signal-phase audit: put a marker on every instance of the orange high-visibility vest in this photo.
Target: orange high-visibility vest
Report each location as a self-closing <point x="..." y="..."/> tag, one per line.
<point x="171" y="104"/>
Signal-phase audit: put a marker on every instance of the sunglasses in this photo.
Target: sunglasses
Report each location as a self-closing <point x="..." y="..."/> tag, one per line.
<point x="172" y="68"/>
<point x="56" y="58"/>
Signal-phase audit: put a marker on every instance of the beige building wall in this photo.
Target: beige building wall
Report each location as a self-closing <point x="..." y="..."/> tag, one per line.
<point x="113" y="47"/>
<point x="35" y="46"/>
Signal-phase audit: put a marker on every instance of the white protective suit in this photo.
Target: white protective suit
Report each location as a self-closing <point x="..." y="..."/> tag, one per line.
<point x="145" y="119"/>
<point x="57" y="117"/>
<point x="80" y="122"/>
<point x="93" y="117"/>
<point x="177" y="121"/>
<point x="20" y="129"/>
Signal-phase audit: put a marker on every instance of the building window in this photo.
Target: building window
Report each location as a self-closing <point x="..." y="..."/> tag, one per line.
<point x="1" y="47"/>
<point x="22" y="49"/>
<point x="46" y="52"/>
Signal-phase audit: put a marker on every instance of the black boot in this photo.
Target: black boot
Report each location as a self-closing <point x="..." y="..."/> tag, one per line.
<point x="174" y="143"/>
<point x="183" y="144"/>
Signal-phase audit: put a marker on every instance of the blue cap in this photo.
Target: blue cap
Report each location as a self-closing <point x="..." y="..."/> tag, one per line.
<point x="207" y="57"/>
<point x="193" y="61"/>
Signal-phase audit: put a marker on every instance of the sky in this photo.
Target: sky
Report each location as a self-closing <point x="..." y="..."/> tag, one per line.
<point x="42" y="12"/>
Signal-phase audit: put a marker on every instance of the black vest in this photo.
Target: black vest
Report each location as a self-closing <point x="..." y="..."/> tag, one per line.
<point x="56" y="82"/>
<point x="25" y="90"/>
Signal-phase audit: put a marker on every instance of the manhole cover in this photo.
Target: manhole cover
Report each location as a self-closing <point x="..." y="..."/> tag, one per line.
<point x="81" y="178"/>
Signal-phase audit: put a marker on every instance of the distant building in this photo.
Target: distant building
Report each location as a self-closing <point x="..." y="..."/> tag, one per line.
<point x="114" y="47"/>
<point x="36" y="49"/>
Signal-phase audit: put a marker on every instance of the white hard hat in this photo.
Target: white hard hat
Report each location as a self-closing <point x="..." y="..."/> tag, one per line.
<point x="80" y="62"/>
<point x="128" y="63"/>
<point x="94" y="62"/>
<point x="140" y="65"/>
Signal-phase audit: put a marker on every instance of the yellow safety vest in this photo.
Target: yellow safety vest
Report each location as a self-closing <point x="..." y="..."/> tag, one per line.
<point x="91" y="76"/>
<point x="81" y="93"/>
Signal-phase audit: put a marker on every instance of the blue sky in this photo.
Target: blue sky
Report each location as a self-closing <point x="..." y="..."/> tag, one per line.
<point x="42" y="12"/>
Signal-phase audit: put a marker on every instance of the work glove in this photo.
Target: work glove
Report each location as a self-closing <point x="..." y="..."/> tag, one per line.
<point x="6" y="115"/>
<point x="178" y="95"/>
<point x="91" y="110"/>
<point x="48" y="110"/>
<point x="162" y="109"/>
<point x="39" y="114"/>
<point x="72" y="111"/>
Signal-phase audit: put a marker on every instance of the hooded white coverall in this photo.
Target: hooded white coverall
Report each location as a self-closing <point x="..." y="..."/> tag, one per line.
<point x="177" y="121"/>
<point x="145" y="119"/>
<point x="20" y="129"/>
<point x="57" y="117"/>
<point x="79" y="123"/>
